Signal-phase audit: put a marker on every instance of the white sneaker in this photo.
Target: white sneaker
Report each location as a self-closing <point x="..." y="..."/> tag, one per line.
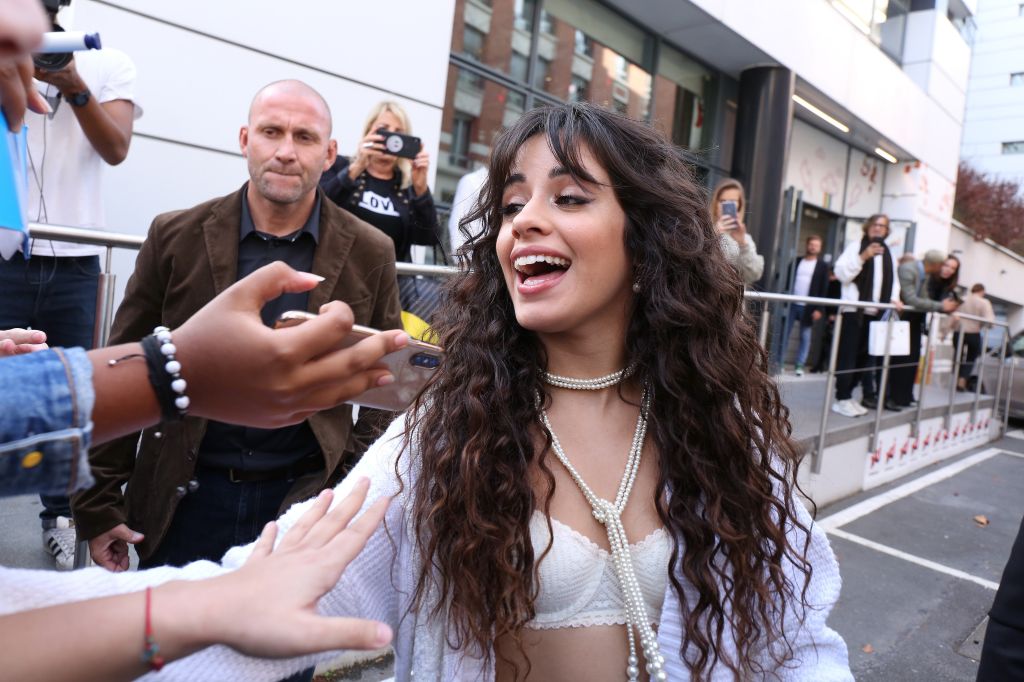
<point x="846" y="408"/>
<point x="860" y="408"/>
<point x="60" y="542"/>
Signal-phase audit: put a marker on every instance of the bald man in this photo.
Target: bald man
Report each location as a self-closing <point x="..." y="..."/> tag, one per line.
<point x="198" y="487"/>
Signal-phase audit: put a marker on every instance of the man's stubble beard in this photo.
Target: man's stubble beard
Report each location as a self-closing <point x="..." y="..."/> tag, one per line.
<point x="279" y="195"/>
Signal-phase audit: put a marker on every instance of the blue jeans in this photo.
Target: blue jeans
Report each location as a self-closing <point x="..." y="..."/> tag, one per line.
<point x="796" y="314"/>
<point x="58" y="296"/>
<point x="46" y="401"/>
<point x="217" y="516"/>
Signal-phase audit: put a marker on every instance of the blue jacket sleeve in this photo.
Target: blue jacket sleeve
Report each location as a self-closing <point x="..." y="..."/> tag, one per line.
<point x="46" y="401"/>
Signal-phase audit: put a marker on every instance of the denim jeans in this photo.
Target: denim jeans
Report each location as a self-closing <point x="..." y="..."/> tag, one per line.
<point x="217" y="516"/>
<point x="46" y="401"/>
<point x="58" y="296"/>
<point x="796" y="315"/>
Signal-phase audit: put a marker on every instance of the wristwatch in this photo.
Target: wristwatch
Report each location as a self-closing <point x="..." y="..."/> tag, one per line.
<point x="79" y="99"/>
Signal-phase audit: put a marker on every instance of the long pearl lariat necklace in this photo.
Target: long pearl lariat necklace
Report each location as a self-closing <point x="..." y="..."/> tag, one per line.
<point x="609" y="514"/>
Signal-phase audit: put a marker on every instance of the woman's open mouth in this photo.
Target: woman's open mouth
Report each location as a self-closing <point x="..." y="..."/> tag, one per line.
<point x="539" y="271"/>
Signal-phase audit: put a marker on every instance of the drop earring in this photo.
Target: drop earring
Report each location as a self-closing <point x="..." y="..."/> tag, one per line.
<point x="636" y="286"/>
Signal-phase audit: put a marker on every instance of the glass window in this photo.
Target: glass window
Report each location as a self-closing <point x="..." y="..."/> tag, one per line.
<point x="473" y="42"/>
<point x="584" y="45"/>
<point x="523" y="12"/>
<point x="593" y="54"/>
<point x="884" y="21"/>
<point x="1016" y="147"/>
<point x="1017" y="78"/>
<point x="542" y="77"/>
<point x="518" y="66"/>
<point x="493" y="32"/>
<point x="579" y="89"/>
<point x="679" y="88"/>
<point x="476" y="109"/>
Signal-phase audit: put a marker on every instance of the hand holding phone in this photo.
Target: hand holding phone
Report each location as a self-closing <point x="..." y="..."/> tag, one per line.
<point x="412" y="365"/>
<point x="397" y="144"/>
<point x="730" y="215"/>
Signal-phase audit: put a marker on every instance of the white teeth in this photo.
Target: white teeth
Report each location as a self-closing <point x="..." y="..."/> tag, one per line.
<point x="530" y="260"/>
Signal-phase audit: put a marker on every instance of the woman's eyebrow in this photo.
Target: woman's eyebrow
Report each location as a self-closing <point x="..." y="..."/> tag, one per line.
<point x="513" y="179"/>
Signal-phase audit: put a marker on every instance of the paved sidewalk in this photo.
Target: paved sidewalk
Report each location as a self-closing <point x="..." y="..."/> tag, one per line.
<point x="919" y="571"/>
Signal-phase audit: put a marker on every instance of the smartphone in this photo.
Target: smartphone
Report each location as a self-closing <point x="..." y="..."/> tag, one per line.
<point x="876" y="240"/>
<point x="729" y="209"/>
<point x="412" y="366"/>
<point x="398" y="144"/>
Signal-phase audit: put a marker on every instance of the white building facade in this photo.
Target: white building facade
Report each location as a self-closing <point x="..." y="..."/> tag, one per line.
<point x="994" y="123"/>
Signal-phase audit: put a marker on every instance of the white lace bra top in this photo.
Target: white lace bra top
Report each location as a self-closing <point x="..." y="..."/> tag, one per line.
<point x="578" y="585"/>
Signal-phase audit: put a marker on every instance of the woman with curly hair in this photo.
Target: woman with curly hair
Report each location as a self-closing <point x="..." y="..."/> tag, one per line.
<point x="599" y="482"/>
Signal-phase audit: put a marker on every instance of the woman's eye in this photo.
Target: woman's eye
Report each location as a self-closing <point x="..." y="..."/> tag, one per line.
<point x="571" y="200"/>
<point x="511" y="209"/>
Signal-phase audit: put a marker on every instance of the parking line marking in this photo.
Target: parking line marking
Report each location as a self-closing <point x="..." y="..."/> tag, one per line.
<point x="920" y="561"/>
<point x="865" y="507"/>
<point x="1018" y="434"/>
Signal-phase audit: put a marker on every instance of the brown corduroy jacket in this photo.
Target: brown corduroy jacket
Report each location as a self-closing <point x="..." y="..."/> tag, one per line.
<point x="188" y="258"/>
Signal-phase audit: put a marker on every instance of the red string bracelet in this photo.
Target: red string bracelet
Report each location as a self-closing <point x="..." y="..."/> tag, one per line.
<point x="151" y="650"/>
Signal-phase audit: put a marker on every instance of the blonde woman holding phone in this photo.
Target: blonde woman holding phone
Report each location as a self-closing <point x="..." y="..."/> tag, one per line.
<point x="728" y="203"/>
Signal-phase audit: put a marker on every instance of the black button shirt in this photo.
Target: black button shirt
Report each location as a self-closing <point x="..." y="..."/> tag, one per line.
<point x="242" y="447"/>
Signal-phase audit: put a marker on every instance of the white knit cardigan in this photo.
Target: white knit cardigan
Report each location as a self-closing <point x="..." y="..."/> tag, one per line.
<point x="380" y="582"/>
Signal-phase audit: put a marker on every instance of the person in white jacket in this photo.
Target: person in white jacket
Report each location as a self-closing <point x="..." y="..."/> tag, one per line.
<point x="598" y="480"/>
<point x="867" y="271"/>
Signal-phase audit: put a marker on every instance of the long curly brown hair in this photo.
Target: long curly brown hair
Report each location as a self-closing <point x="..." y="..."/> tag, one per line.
<point x="727" y="464"/>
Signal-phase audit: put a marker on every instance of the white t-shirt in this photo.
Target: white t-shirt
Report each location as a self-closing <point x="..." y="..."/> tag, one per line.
<point x="804" y="273"/>
<point x="65" y="175"/>
<point x="466" y="192"/>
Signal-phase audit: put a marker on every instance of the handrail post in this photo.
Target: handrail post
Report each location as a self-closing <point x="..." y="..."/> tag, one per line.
<point x="999" y="380"/>
<point x="819" y="451"/>
<point x="882" y="385"/>
<point x="762" y="330"/>
<point x="104" y="301"/>
<point x="915" y="426"/>
<point x="954" y="376"/>
<point x="100" y="336"/>
<point x="979" y="363"/>
<point x="1009" y="394"/>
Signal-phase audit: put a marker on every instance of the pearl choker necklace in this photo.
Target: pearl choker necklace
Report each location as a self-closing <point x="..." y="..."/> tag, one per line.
<point x="609" y="514"/>
<point x="597" y="384"/>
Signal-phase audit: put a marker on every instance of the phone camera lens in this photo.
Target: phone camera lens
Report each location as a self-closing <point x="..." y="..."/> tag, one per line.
<point x="425" y="360"/>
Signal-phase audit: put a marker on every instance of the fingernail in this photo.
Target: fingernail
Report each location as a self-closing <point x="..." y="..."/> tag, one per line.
<point x="383" y="634"/>
<point x="318" y="278"/>
<point x="386" y="379"/>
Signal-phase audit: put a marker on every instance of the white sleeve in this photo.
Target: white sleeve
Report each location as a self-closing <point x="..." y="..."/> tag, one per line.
<point x="819" y="652"/>
<point x="118" y="79"/>
<point x="365" y="589"/>
<point x="849" y="264"/>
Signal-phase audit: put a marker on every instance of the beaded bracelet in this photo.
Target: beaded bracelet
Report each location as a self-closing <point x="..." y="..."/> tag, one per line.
<point x="150" y="649"/>
<point x="165" y="374"/>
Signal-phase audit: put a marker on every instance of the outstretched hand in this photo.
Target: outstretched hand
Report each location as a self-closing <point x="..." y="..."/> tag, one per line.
<point x="240" y="371"/>
<point x="18" y="341"/>
<point x="268" y="607"/>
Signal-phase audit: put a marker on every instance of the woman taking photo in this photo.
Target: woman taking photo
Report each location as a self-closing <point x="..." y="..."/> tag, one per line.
<point x="386" y="191"/>
<point x="599" y="482"/>
<point x="728" y="202"/>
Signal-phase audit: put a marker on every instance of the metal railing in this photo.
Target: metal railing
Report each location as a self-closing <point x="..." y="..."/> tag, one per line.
<point x="105" y="311"/>
<point x="842" y="306"/>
